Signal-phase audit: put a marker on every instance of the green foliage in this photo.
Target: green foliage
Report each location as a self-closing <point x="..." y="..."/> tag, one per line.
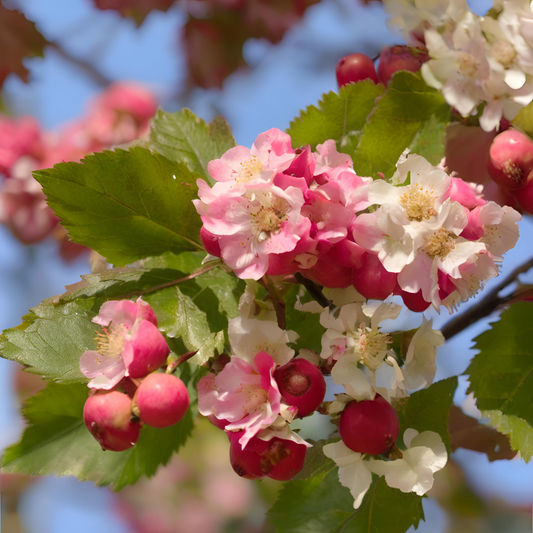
<point x="339" y="116"/>
<point x="179" y="316"/>
<point x="524" y="120"/>
<point x="316" y="462"/>
<point x="54" y="335"/>
<point x="307" y="325"/>
<point x="429" y="409"/>
<point x="520" y="433"/>
<point x="430" y="140"/>
<point x="56" y="441"/>
<point x="51" y="339"/>
<point x="126" y="205"/>
<point x="501" y="374"/>
<point x="400" y="114"/>
<point x="322" y="505"/>
<point x="185" y="138"/>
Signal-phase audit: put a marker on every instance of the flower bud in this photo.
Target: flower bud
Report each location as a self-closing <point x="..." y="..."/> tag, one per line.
<point x="161" y="400"/>
<point x="108" y="418"/>
<point x="301" y="385"/>
<point x="369" y="426"/>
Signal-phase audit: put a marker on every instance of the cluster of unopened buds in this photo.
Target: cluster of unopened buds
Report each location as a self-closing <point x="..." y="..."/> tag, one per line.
<point x="127" y="388"/>
<point x="482" y="65"/>
<point x="119" y="115"/>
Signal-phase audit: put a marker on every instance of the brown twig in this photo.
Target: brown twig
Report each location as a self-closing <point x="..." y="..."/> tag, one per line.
<point x="489" y="303"/>
<point x="207" y="268"/>
<point x="277" y="300"/>
<point x="98" y="77"/>
<point x="314" y="290"/>
<point x="171" y="368"/>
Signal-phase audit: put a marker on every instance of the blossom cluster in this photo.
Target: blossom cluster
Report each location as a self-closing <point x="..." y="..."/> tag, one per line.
<point x="119" y="115"/>
<point x="427" y="236"/>
<point x="473" y="60"/>
<point x="246" y="398"/>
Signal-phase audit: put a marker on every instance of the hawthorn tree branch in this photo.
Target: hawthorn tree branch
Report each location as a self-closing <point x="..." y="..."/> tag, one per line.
<point x="489" y="303"/>
<point x="98" y="77"/>
<point x="207" y="268"/>
<point x="314" y="290"/>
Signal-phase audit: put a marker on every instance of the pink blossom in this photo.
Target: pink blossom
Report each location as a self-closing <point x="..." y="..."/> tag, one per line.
<point x="18" y="137"/>
<point x="24" y="211"/>
<point x="330" y="162"/>
<point x="244" y="394"/>
<point x="251" y="227"/>
<point x="241" y="167"/>
<point x="131" y="344"/>
<point x="120" y="114"/>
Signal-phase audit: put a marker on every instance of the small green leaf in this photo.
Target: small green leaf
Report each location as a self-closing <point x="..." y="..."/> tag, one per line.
<point x="520" y="433"/>
<point x="524" y="120"/>
<point x="307" y="325"/>
<point x="501" y="374"/>
<point x="429" y="409"/>
<point x="316" y="462"/>
<point x="126" y="205"/>
<point x="179" y="316"/>
<point x="56" y="441"/>
<point x="400" y="114"/>
<point x="339" y="116"/>
<point x="322" y="505"/>
<point x="315" y="505"/>
<point x="430" y="140"/>
<point x="52" y="339"/>
<point x="185" y="138"/>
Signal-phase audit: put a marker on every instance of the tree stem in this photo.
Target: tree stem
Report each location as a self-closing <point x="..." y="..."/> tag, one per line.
<point x="489" y="303"/>
<point x="314" y="290"/>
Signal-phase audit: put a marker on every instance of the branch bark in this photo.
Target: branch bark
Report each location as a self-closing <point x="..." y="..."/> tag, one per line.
<point x="488" y="304"/>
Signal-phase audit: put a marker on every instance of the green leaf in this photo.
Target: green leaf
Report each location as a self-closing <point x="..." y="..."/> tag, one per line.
<point x="52" y="339"/>
<point x="524" y="120"/>
<point x="400" y="114"/>
<point x="316" y="462"/>
<point x="315" y="505"/>
<point x="501" y="374"/>
<point x="520" y="433"/>
<point x="307" y="325"/>
<point x="126" y="205"/>
<point x="179" y="316"/>
<point x="56" y="441"/>
<point x="322" y="505"/>
<point x="430" y="140"/>
<point x="339" y="116"/>
<point x="185" y="138"/>
<point x="429" y="409"/>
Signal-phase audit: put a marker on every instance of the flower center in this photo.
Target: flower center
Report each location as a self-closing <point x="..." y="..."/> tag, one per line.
<point x="269" y="218"/>
<point x="111" y="342"/>
<point x="255" y="397"/>
<point x="418" y="203"/>
<point x="504" y="53"/>
<point x="250" y="169"/>
<point x="370" y="346"/>
<point x="467" y="63"/>
<point x="440" y="244"/>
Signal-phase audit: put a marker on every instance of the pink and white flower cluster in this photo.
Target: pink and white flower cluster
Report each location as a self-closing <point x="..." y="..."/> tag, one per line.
<point x="435" y="234"/>
<point x="428" y="237"/>
<point x="275" y="210"/>
<point x="473" y="60"/>
<point x="244" y="397"/>
<point x="130" y="345"/>
<point x="119" y="115"/>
